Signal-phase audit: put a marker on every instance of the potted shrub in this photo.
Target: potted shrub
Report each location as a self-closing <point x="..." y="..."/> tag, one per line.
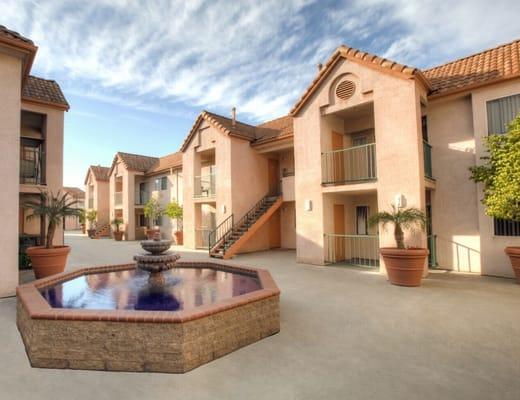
<point x="152" y="210"/>
<point x="118" y="234"/>
<point x="404" y="266"/>
<point x="91" y="217"/>
<point x="82" y="219"/>
<point x="174" y="211"/>
<point x="500" y="175"/>
<point x="49" y="259"/>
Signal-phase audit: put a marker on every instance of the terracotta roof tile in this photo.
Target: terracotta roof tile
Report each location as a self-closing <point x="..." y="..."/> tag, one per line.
<point x="173" y="160"/>
<point x="279" y="127"/>
<point x="44" y="90"/>
<point x="498" y="63"/>
<point x="100" y="173"/>
<point x="137" y="162"/>
<point x="75" y="192"/>
<point x="14" y="35"/>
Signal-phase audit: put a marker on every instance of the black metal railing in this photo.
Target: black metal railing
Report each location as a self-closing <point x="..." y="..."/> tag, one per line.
<point x="220" y="236"/>
<point x="221" y="233"/>
<point x="31" y="172"/>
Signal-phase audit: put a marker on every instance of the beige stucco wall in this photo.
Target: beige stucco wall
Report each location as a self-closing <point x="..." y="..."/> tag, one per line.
<point x="10" y="83"/>
<point x="454" y="200"/>
<point x="101" y="193"/>
<point x="494" y="261"/>
<point x="396" y="116"/>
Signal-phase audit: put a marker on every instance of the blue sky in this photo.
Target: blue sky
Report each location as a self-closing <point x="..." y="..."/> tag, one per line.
<point x="137" y="73"/>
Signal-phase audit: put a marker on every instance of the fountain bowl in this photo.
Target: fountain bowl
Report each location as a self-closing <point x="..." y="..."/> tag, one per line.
<point x="156" y="246"/>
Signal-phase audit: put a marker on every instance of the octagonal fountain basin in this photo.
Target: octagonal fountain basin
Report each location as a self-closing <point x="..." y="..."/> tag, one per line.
<point x="117" y="318"/>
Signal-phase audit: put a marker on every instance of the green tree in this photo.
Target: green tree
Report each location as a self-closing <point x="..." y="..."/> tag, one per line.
<point x="152" y="210"/>
<point x="174" y="211"/>
<point x="500" y="173"/>
<point x="402" y="219"/>
<point x="91" y="217"/>
<point x="117" y="222"/>
<point x="53" y="207"/>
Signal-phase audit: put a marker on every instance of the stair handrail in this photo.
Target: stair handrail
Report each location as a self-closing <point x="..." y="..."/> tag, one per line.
<point x="236" y="225"/>
<point x="221" y="232"/>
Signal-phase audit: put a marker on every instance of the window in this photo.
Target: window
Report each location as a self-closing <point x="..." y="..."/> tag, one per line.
<point x="142" y="220"/>
<point x="501" y="112"/>
<point x="505" y="227"/>
<point x="362" y="220"/>
<point x="159" y="221"/>
<point x="31" y="161"/>
<point x="161" y="183"/>
<point x="424" y="127"/>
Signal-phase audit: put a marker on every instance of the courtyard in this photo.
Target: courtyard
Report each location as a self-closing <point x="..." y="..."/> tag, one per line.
<point x="345" y="333"/>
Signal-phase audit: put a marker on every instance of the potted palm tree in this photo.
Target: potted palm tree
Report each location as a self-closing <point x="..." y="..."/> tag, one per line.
<point x="174" y="211"/>
<point x="49" y="259"/>
<point x="500" y="175"/>
<point x="118" y="234"/>
<point x="152" y="210"/>
<point x="404" y="266"/>
<point x="91" y="217"/>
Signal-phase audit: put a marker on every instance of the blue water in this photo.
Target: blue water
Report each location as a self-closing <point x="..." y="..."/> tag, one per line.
<point x="184" y="289"/>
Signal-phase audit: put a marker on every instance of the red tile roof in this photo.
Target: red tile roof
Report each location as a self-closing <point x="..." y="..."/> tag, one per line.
<point x="281" y="127"/>
<point x="44" y="90"/>
<point x="173" y="160"/>
<point x="75" y="192"/>
<point x="496" y="64"/>
<point x="137" y="162"/>
<point x="100" y="173"/>
<point x="4" y="32"/>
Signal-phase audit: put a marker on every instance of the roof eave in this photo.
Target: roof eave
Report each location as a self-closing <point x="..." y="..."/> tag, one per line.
<point x="27" y="50"/>
<point x="59" y="106"/>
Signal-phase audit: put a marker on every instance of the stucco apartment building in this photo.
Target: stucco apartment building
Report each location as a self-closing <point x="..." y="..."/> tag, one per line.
<point x="133" y="180"/>
<point x="31" y="138"/>
<point x="367" y="133"/>
<point x="77" y="196"/>
<point x="97" y="191"/>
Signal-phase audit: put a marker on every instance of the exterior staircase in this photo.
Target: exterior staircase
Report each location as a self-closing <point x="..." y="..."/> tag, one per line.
<point x="227" y="239"/>
<point x="102" y="231"/>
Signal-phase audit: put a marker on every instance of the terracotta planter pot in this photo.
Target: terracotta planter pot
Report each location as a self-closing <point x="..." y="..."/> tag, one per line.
<point x="404" y="266"/>
<point x="47" y="262"/>
<point x="151" y="232"/>
<point x="514" y="256"/>
<point x="118" y="236"/>
<point x="179" y="237"/>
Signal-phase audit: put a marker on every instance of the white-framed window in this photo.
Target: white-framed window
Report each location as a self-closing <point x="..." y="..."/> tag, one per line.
<point x="161" y="183"/>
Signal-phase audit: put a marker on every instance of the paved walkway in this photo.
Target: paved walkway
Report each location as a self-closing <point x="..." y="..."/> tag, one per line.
<point x="345" y="334"/>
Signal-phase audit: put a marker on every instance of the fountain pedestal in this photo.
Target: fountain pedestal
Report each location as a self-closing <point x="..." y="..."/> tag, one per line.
<point x="156" y="259"/>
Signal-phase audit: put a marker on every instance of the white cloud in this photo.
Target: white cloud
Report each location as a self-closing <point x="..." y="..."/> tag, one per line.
<point x="258" y="56"/>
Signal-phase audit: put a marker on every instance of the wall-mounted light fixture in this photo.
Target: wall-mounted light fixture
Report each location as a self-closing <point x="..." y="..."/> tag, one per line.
<point x="307" y="206"/>
<point x="223" y="208"/>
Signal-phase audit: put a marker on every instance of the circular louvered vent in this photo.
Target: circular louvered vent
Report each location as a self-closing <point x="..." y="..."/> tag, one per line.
<point x="345" y="90"/>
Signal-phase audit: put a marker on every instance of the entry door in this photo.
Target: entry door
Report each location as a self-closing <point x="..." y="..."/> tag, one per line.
<point x="339" y="229"/>
<point x="338" y="159"/>
<point x="274" y="177"/>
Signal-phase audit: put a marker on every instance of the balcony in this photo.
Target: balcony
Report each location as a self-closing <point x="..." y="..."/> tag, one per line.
<point x="204" y="186"/>
<point x="31" y="172"/>
<point x="118" y="199"/>
<point x="356" y="250"/>
<point x="142" y="197"/>
<point x="427" y="152"/>
<point x="352" y="165"/>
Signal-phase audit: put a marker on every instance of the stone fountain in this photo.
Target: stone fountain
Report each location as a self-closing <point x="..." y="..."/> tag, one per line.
<point x="156" y="259"/>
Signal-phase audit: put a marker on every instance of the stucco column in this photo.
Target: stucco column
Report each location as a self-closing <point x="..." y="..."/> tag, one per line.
<point x="129" y="204"/>
<point x="10" y="76"/>
<point x="308" y="191"/>
<point x="400" y="167"/>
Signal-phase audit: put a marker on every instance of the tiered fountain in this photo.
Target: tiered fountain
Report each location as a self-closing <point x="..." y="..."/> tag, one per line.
<point x="156" y="260"/>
